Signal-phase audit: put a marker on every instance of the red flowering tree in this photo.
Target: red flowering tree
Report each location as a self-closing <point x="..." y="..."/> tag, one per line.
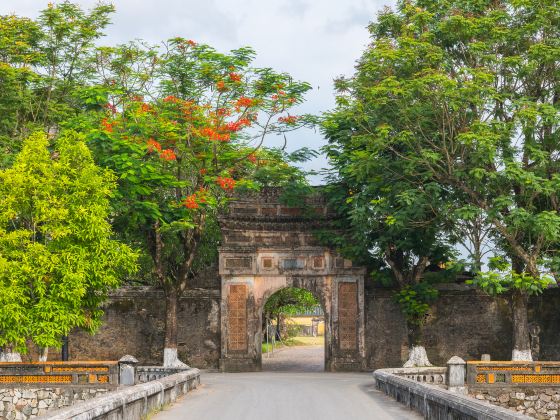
<point x="181" y="133"/>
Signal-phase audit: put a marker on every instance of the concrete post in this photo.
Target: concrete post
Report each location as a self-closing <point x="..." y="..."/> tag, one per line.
<point x="485" y="357"/>
<point x="456" y="375"/>
<point x="127" y="370"/>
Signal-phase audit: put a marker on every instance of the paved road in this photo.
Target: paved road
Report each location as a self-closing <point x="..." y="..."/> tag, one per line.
<point x="295" y="359"/>
<point x="286" y="395"/>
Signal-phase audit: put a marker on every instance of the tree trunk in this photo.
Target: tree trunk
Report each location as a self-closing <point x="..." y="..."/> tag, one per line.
<point x="44" y="354"/>
<point x="170" y="357"/>
<point x="521" y="339"/>
<point x="278" y="328"/>
<point x="417" y="356"/>
<point x="414" y="334"/>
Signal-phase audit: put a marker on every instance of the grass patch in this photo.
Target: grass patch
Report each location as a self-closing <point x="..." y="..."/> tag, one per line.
<point x="308" y="341"/>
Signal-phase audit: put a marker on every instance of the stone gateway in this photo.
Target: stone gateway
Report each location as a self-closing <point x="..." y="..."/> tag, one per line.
<point x="268" y="246"/>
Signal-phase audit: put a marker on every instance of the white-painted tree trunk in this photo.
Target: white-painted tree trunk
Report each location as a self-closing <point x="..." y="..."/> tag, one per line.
<point x="417" y="357"/>
<point x="10" y="357"/>
<point x="44" y="354"/>
<point x="171" y="359"/>
<point x="522" y="355"/>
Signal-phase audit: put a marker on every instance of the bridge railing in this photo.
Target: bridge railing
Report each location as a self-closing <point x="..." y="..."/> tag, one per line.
<point x="511" y="373"/>
<point x="98" y="373"/>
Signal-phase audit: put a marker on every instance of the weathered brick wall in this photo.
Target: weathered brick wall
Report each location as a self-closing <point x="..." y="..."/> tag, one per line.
<point x="464" y="322"/>
<point x="134" y="323"/>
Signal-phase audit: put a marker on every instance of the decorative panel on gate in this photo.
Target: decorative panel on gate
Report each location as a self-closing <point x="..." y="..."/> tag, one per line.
<point x="237" y="317"/>
<point x="347" y="315"/>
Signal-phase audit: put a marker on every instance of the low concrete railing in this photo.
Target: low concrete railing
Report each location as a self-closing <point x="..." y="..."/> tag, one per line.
<point x="131" y="403"/>
<point x="430" y="375"/>
<point x="153" y="373"/>
<point x="438" y="403"/>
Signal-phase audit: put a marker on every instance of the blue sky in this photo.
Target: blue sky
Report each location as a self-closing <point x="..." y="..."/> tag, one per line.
<point x="313" y="40"/>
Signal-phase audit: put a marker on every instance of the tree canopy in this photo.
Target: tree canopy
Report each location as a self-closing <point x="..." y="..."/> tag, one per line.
<point x="463" y="98"/>
<point x="58" y="258"/>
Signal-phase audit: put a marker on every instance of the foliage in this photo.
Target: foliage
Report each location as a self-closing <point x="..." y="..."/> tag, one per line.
<point x="57" y="258"/>
<point x="463" y="97"/>
<point x="44" y="63"/>
<point x="289" y="301"/>
<point x="181" y="126"/>
<point x="503" y="278"/>
<point x="180" y="154"/>
<point x="473" y="113"/>
<point x="415" y="300"/>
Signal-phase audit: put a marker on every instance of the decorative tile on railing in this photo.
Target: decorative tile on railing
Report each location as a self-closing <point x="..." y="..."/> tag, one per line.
<point x="513" y="373"/>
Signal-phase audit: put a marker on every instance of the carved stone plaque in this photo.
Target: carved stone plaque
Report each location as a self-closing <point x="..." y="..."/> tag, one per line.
<point x="237" y="317"/>
<point x="238" y="263"/>
<point x="347" y="315"/>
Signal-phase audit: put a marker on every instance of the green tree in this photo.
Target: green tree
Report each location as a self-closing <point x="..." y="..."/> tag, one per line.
<point x="182" y="128"/>
<point x="467" y="93"/>
<point x="57" y="258"/>
<point x="44" y="64"/>
<point x="390" y="215"/>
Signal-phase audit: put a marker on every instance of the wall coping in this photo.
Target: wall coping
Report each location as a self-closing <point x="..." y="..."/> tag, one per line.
<point x="111" y="401"/>
<point x="416" y="370"/>
<point x="457" y="402"/>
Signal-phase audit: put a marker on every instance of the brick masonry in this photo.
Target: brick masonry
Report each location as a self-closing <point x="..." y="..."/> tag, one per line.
<point x="464" y="322"/>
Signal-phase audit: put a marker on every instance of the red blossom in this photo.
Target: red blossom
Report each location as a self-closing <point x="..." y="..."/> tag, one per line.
<point x="107" y="126"/>
<point x="153" y="145"/>
<point x="168" y="154"/>
<point x="203" y="171"/>
<point x="171" y="98"/>
<point x="234" y="77"/>
<point x="145" y="107"/>
<point x="243" y="102"/>
<point x="190" y="202"/>
<point x="234" y="126"/>
<point x="226" y="183"/>
<point x="207" y="132"/>
<point x="191" y="42"/>
<point x="290" y="119"/>
<point x="221" y="86"/>
<point x="252" y="158"/>
<point x="214" y="135"/>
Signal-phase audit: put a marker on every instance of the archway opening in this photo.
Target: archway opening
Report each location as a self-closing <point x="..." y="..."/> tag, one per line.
<point x="293" y="332"/>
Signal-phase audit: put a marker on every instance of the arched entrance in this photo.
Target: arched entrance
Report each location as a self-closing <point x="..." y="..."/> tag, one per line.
<point x="268" y="246"/>
<point x="294" y="327"/>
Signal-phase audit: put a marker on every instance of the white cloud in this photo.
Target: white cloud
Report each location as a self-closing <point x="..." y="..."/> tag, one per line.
<point x="313" y="40"/>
